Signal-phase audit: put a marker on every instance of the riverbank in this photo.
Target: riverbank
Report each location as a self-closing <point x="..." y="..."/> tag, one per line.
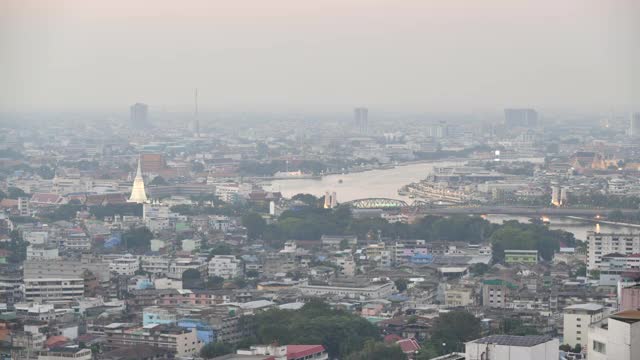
<point x="599" y="221"/>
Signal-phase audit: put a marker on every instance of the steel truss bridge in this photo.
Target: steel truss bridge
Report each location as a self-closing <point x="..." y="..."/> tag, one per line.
<point x="377" y="203"/>
<point x="419" y="207"/>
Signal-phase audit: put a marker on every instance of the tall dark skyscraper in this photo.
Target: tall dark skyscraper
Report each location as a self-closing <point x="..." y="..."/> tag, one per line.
<point x="361" y="119"/>
<point x="138" y="114"/>
<point x="520" y="118"/>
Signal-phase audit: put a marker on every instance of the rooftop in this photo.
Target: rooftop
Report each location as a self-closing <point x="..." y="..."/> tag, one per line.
<point x="585" y="307"/>
<point x="512" y="340"/>
<point x="628" y="316"/>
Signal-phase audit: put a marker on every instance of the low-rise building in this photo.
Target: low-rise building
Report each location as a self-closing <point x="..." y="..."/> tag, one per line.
<point x="125" y="265"/>
<point x="225" y="266"/>
<point x="179" y="340"/>
<point x="496" y="292"/>
<point x="42" y="252"/>
<point x="65" y="354"/>
<point x="507" y="347"/>
<point x="577" y="320"/>
<point x="349" y="290"/>
<point x="286" y="352"/>
<point x="629" y="298"/>
<point x="456" y="296"/>
<point x="617" y="339"/>
<point x="521" y="256"/>
<point x="53" y="289"/>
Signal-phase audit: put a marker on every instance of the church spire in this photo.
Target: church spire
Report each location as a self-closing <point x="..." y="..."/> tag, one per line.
<point x="138" y="194"/>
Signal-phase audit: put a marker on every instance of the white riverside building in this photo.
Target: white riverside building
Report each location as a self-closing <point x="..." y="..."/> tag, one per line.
<point x="600" y="244"/>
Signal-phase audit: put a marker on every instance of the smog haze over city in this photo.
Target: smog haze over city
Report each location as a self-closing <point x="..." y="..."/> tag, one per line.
<point x="325" y="180"/>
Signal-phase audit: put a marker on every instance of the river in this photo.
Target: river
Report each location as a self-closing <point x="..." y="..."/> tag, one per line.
<point x="578" y="227"/>
<point x="385" y="184"/>
<point x="367" y="184"/>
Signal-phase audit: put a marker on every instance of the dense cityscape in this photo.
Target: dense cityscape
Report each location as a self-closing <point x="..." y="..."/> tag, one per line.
<point x="319" y="180"/>
<point x="142" y="238"/>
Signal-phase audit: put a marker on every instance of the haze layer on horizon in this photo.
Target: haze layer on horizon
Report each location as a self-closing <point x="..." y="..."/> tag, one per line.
<point x="444" y="55"/>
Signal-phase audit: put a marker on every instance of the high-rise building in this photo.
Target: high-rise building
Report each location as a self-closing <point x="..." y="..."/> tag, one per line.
<point x="361" y="119"/>
<point x="138" y="114"/>
<point x="138" y="195"/>
<point x="634" y="125"/>
<point x="520" y="118"/>
<point x="601" y="244"/>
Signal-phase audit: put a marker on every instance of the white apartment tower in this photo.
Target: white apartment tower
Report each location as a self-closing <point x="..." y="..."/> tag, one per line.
<point x="600" y="244"/>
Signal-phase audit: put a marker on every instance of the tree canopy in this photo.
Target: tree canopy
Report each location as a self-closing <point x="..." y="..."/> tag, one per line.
<point x="255" y="225"/>
<point x="215" y="349"/>
<point x="341" y="333"/>
<point x="377" y="351"/>
<point x="513" y="235"/>
<point x="138" y="239"/>
<point x="452" y="330"/>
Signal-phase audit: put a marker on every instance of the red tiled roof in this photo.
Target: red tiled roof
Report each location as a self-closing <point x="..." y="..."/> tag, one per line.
<point x="408" y="345"/>
<point x="46" y="198"/>
<point x="5" y="203"/>
<point x="300" y="351"/>
<point x="392" y="338"/>
<point x="56" y="341"/>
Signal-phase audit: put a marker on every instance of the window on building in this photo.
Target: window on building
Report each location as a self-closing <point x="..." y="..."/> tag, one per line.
<point x="599" y="347"/>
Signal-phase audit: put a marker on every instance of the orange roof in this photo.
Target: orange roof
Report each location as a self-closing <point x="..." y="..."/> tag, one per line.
<point x="56" y="341"/>
<point x="627" y="315"/>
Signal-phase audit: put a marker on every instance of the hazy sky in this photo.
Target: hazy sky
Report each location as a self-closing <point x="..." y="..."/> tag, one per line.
<point x="416" y="55"/>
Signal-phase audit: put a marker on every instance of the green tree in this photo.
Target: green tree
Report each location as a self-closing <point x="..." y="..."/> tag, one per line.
<point x="191" y="279"/>
<point x="377" y="351"/>
<point x="158" y="181"/>
<point x="45" y="172"/>
<point x="453" y="329"/>
<point x="308" y="199"/>
<point x="14" y="193"/>
<point x="17" y="246"/>
<point x="221" y="249"/>
<point x="215" y="349"/>
<point x="401" y="284"/>
<point x="138" y="239"/>
<point x="479" y="269"/>
<point x="214" y="283"/>
<point x="64" y="212"/>
<point x="341" y="333"/>
<point x="197" y="167"/>
<point x="252" y="274"/>
<point x="428" y="351"/>
<point x="255" y="225"/>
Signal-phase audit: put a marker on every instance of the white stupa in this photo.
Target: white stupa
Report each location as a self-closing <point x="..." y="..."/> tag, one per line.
<point x="138" y="194"/>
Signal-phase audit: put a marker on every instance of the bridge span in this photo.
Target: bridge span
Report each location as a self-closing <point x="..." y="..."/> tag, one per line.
<point x="517" y="210"/>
